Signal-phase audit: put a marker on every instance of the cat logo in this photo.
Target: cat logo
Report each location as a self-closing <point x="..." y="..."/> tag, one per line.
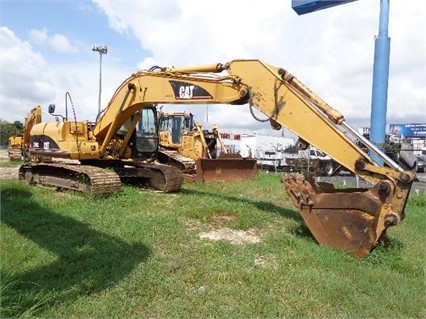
<point x="187" y="91"/>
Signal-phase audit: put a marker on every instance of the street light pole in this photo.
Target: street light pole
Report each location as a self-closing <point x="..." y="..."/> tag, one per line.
<point x="102" y="49"/>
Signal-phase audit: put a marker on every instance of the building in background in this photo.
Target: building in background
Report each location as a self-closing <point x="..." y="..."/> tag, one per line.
<point x="411" y="135"/>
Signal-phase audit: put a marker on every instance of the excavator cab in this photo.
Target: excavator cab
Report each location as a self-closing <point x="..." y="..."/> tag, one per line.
<point x="173" y="126"/>
<point x="146" y="135"/>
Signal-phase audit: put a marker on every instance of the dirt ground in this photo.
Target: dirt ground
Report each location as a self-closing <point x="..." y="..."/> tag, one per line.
<point x="7" y="172"/>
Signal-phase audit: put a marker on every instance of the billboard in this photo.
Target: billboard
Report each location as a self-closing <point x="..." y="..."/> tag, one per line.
<point x="307" y="6"/>
<point x="412" y="130"/>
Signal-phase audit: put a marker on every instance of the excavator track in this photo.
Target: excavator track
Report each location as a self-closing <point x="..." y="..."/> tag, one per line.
<point x="14" y="154"/>
<point x="184" y="163"/>
<point x="165" y="178"/>
<point x="86" y="179"/>
<point x="161" y="177"/>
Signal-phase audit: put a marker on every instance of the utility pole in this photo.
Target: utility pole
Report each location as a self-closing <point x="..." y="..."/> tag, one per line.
<point x="102" y="49"/>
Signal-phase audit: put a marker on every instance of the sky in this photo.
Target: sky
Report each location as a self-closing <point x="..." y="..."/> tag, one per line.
<point x="46" y="51"/>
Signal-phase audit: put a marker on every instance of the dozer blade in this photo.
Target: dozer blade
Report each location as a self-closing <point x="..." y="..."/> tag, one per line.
<point x="345" y="219"/>
<point x="228" y="167"/>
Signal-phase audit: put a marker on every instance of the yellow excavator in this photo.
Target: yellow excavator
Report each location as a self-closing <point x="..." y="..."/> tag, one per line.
<point x="69" y="155"/>
<point x="119" y="145"/>
<point x="14" y="147"/>
<point x="199" y="153"/>
<point x="18" y="144"/>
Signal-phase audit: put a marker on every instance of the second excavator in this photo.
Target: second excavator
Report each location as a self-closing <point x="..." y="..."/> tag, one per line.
<point x="18" y="145"/>
<point x="353" y="220"/>
<point x="200" y="154"/>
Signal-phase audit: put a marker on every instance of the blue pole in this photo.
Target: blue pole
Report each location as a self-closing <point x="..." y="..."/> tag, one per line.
<point x="380" y="81"/>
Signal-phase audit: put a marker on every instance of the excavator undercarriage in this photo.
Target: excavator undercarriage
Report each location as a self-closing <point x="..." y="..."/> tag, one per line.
<point x="162" y="178"/>
<point x="81" y="178"/>
<point x="92" y="179"/>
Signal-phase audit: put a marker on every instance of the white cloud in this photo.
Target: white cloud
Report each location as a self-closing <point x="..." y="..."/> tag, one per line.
<point x="21" y="82"/>
<point x="38" y="37"/>
<point x="61" y="44"/>
<point x="57" y="42"/>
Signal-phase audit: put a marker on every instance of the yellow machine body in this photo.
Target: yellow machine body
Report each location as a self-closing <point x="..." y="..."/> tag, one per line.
<point x="64" y="140"/>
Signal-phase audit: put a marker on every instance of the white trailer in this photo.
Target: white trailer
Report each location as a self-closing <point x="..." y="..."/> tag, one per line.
<point x="257" y="144"/>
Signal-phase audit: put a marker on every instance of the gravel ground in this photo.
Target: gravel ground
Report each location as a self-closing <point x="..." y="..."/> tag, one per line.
<point x="9" y="172"/>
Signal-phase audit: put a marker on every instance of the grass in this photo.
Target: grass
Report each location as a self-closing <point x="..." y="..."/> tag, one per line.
<point x="6" y="163"/>
<point x="138" y="254"/>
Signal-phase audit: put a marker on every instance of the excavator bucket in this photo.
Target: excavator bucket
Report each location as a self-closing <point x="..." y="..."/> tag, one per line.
<point x="227" y="167"/>
<point x="344" y="219"/>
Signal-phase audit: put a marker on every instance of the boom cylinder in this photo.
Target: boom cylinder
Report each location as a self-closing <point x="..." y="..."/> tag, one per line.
<point x="294" y="82"/>
<point x="213" y="68"/>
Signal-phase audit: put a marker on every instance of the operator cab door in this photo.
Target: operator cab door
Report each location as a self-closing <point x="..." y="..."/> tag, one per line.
<point x="147" y="134"/>
<point x="179" y="125"/>
<point x="177" y="129"/>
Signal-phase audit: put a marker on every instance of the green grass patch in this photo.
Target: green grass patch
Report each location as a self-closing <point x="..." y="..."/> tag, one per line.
<point x="140" y="254"/>
<point x="6" y="163"/>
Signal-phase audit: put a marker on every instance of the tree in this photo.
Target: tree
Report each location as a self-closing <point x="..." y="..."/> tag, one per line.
<point x="19" y="126"/>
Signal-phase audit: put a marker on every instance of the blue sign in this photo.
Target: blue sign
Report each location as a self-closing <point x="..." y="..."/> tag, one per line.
<point x="414" y="130"/>
<point x="307" y="6"/>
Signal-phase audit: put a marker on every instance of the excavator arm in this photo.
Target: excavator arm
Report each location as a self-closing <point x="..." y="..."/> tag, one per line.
<point x="353" y="220"/>
<point x="19" y="144"/>
<point x="33" y="118"/>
